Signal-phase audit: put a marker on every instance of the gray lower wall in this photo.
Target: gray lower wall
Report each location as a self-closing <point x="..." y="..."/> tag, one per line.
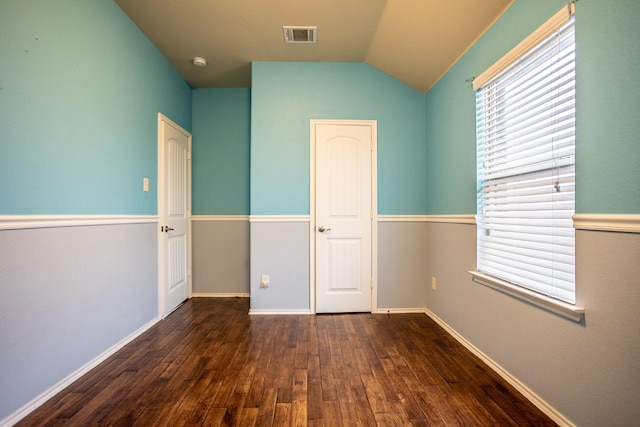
<point x="402" y="265"/>
<point x="589" y="372"/>
<point x="220" y="256"/>
<point x="281" y="250"/>
<point x="69" y="294"/>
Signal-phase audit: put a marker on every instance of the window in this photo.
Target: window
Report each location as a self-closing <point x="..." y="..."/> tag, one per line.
<point x="525" y="106"/>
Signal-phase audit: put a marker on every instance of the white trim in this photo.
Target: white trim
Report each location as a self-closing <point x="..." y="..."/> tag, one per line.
<point x="279" y="218"/>
<point x="452" y="219"/>
<point x="399" y="310"/>
<point x="625" y="223"/>
<point x="402" y="218"/>
<point x="540" y="403"/>
<point x="312" y="205"/>
<point x="220" y="217"/>
<point x="220" y="295"/>
<point x="31" y="406"/>
<point x="545" y="30"/>
<point x="19" y="222"/>
<point x="564" y="309"/>
<point x="259" y="312"/>
<point x="312" y="216"/>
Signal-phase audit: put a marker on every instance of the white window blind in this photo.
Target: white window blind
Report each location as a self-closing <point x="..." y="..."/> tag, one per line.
<point x="526" y="155"/>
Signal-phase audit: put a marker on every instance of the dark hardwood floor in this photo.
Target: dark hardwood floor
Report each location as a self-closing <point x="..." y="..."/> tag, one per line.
<point x="210" y="363"/>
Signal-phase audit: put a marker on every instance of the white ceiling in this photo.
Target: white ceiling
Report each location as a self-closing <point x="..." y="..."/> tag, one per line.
<point x="415" y="41"/>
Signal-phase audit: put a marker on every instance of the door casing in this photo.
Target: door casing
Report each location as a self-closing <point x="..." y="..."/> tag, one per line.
<point x="312" y="206"/>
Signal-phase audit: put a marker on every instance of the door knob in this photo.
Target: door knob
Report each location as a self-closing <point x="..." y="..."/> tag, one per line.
<point x="166" y="228"/>
<point x="322" y="229"/>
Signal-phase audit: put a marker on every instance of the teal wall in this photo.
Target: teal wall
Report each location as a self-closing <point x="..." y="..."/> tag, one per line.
<point x="285" y="96"/>
<point x="608" y="101"/>
<point x="608" y="107"/>
<point x="80" y="90"/>
<point x="221" y="141"/>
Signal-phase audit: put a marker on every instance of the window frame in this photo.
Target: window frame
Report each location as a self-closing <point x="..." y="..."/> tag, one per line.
<point x="507" y="64"/>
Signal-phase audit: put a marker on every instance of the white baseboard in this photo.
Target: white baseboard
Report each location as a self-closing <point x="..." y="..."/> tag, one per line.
<point x="399" y="310"/>
<point x="287" y="312"/>
<point x="540" y="403"/>
<point x="65" y="382"/>
<point x="220" y="295"/>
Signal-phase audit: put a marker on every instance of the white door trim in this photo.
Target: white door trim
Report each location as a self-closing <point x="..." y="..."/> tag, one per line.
<point x="312" y="206"/>
<point x="161" y="241"/>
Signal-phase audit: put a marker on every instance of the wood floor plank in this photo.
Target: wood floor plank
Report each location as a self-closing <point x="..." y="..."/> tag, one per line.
<point x="435" y="403"/>
<point x="314" y="399"/>
<point x="299" y="400"/>
<point x="210" y="363"/>
<point x="266" y="408"/>
<point x="362" y="403"/>
<point x="248" y="417"/>
<point x="282" y="415"/>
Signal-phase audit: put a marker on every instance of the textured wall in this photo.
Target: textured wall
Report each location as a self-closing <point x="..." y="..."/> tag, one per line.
<point x="285" y="96"/>
<point x="588" y="372"/>
<point x="402" y="258"/>
<point x="68" y="295"/>
<point x="608" y="98"/>
<point x="220" y="257"/>
<point x="81" y="91"/>
<point x="221" y="142"/>
<point x="280" y="250"/>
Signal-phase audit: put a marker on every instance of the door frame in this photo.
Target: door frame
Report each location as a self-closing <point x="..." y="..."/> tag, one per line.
<point x="161" y="187"/>
<point x="312" y="206"/>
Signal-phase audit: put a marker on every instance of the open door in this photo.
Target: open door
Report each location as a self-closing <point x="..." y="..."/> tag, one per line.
<point x="174" y="211"/>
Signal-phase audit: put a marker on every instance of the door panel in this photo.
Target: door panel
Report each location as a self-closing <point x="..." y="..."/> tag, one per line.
<point x="343" y="217"/>
<point x="344" y="265"/>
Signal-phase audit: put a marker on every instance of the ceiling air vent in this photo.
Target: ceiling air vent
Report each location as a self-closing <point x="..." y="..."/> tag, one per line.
<point x="300" y="34"/>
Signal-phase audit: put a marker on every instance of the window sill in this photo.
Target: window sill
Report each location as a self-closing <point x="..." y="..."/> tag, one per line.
<point x="550" y="304"/>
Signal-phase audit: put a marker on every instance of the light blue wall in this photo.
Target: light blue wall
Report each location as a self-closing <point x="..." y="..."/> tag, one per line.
<point x="80" y="89"/>
<point x="450" y="111"/>
<point x="221" y="141"/>
<point x="608" y="107"/>
<point x="608" y="101"/>
<point x="285" y="96"/>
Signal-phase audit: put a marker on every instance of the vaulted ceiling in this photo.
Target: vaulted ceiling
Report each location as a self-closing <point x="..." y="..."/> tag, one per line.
<point x="415" y="41"/>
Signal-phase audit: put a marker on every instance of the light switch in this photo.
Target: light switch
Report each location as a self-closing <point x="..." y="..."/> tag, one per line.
<point x="145" y="184"/>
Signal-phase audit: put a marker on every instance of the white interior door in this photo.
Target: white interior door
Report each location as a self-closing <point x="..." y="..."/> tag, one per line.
<point x="174" y="207"/>
<point x="343" y="216"/>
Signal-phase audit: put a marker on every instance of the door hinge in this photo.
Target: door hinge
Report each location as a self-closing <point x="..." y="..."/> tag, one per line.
<point x="188" y="155"/>
<point x="371" y="283"/>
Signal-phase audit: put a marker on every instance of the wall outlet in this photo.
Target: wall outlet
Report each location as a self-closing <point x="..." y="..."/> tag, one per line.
<point x="434" y="285"/>
<point x="264" y="281"/>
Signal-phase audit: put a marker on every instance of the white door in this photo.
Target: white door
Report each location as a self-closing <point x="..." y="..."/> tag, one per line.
<point x="343" y="216"/>
<point x="174" y="208"/>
